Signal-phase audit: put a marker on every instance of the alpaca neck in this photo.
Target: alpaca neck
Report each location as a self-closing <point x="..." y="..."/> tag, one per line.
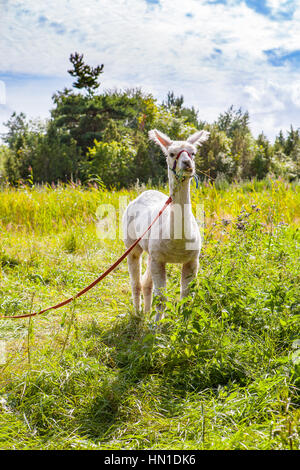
<point x="181" y="210"/>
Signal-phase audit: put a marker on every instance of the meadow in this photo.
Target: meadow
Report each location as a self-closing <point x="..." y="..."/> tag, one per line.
<point x="222" y="370"/>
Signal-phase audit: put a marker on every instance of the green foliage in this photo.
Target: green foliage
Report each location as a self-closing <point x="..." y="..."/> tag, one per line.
<point x="286" y="155"/>
<point x="220" y="372"/>
<point x="86" y="118"/>
<point x="38" y="149"/>
<point x="86" y="76"/>
<point x="175" y="105"/>
<point x="61" y="149"/>
<point x="8" y="165"/>
<point x="17" y="127"/>
<point x="232" y="121"/>
<point x="214" y="157"/>
<point x="113" y="162"/>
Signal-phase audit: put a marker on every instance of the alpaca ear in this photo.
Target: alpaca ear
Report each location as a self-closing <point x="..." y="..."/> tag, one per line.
<point x="161" y="139"/>
<point x="198" y="137"/>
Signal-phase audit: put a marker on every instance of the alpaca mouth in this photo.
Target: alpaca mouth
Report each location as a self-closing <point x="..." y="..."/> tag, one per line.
<point x="189" y="171"/>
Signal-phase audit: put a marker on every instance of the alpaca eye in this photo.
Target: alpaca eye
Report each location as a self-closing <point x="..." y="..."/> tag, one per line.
<point x="172" y="154"/>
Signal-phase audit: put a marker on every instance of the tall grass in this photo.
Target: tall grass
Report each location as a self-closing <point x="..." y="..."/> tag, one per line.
<point x="46" y="210"/>
<point x="221" y="371"/>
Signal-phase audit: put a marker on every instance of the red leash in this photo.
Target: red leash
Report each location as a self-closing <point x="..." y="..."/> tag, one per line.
<point x="103" y="275"/>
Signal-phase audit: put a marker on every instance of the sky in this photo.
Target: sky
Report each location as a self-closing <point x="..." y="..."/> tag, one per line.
<point x="216" y="53"/>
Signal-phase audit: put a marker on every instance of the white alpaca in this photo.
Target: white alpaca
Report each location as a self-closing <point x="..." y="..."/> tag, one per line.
<point x="175" y="237"/>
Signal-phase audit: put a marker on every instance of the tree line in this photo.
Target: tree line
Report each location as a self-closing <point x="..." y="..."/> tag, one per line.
<point x="104" y="136"/>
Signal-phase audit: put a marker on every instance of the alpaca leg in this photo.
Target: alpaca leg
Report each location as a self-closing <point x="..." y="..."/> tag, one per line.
<point x="189" y="272"/>
<point x="158" y="273"/>
<point x="134" y="266"/>
<point x="147" y="286"/>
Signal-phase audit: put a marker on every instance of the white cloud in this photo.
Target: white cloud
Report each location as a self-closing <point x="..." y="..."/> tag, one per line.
<point x="279" y="6"/>
<point x="171" y="46"/>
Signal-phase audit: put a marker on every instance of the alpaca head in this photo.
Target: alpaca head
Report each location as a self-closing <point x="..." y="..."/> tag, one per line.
<point x="180" y="154"/>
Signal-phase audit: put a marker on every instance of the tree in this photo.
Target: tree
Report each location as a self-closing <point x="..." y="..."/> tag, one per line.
<point x="279" y="144"/>
<point x="175" y="105"/>
<point x="107" y="135"/>
<point x="214" y="157"/>
<point x="38" y="148"/>
<point x="233" y="120"/>
<point x="85" y="118"/>
<point x="292" y="141"/>
<point x="261" y="162"/>
<point x="21" y="137"/>
<point x="17" y="127"/>
<point x="113" y="162"/>
<point x="173" y="101"/>
<point x="86" y="76"/>
<point x="52" y="159"/>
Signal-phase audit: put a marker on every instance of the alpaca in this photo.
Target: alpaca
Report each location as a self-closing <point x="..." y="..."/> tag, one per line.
<point x="175" y="237"/>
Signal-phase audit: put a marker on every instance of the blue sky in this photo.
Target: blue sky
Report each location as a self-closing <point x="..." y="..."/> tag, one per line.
<point x="214" y="52"/>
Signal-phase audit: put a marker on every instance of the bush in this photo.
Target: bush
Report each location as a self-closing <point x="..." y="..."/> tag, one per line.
<point x="113" y="162"/>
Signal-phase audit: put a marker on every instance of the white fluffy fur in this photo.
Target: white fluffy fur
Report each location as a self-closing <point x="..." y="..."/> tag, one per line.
<point x="165" y="242"/>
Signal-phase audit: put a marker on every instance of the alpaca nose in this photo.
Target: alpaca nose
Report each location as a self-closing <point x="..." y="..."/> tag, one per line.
<point x="186" y="165"/>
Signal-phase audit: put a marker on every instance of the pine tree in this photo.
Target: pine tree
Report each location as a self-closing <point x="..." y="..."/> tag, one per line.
<point x="86" y="76"/>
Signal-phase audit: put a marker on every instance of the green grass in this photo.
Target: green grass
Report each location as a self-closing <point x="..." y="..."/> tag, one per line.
<point x="220" y="372"/>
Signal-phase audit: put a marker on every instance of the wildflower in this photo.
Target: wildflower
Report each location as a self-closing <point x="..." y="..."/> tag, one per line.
<point x="225" y="222"/>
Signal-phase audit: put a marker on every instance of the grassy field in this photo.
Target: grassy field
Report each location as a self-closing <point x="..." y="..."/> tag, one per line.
<point x="221" y="371"/>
